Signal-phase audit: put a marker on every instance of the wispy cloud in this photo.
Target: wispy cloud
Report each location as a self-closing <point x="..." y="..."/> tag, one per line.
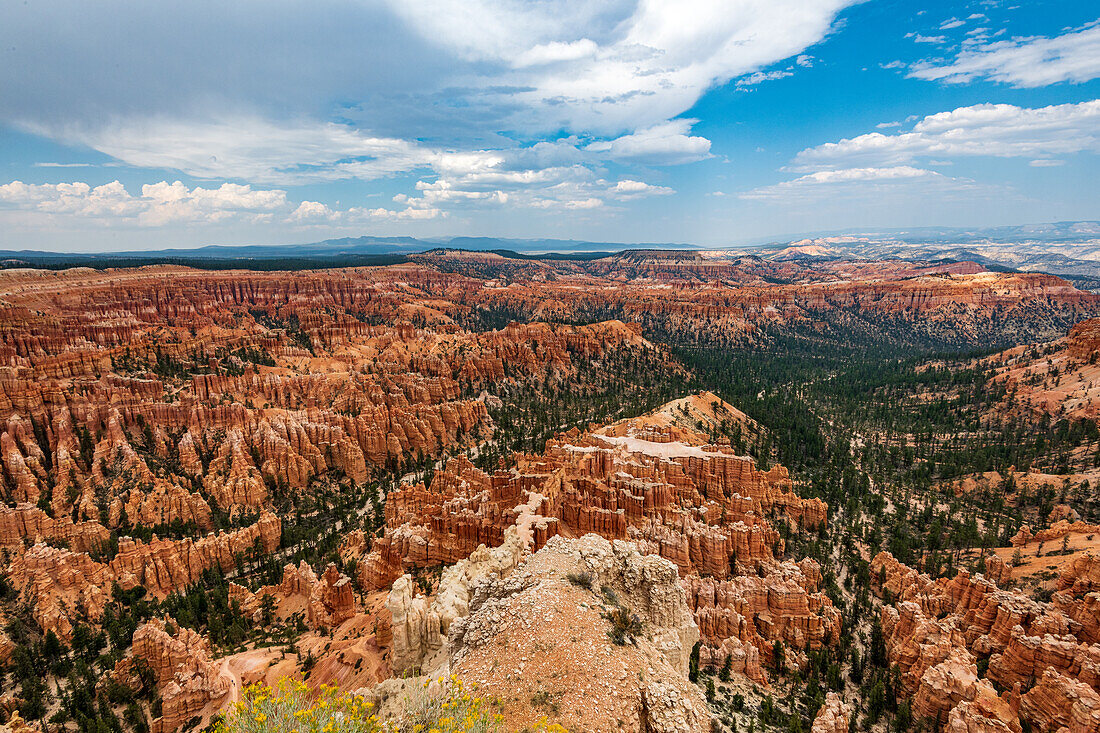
<point x="1022" y="62"/>
<point x="818" y="179"/>
<point x="869" y="187"/>
<point x="249" y="148"/>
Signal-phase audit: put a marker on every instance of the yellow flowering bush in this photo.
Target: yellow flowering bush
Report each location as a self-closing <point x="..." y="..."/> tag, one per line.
<point x="444" y="705"/>
<point x="291" y="707"/>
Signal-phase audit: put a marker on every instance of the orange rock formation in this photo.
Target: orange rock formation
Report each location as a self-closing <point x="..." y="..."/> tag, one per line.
<point x="653" y="482"/>
<point x="1048" y="660"/>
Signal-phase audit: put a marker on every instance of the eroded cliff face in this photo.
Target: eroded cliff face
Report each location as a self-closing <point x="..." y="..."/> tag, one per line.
<point x="833" y="717"/>
<point x="189" y="683"/>
<point x="323" y="603"/>
<point x="160" y="396"/>
<point x="64" y="586"/>
<point x="1041" y="654"/>
<point x="162" y="403"/>
<point x="730" y="301"/>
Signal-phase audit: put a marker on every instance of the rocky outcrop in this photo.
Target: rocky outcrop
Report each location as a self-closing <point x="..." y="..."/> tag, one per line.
<point x="833" y="716"/>
<point x="1081" y="575"/>
<point x="985" y="713"/>
<point x="1056" y="531"/>
<point x="1058" y="702"/>
<point x="937" y="630"/>
<point x="162" y="566"/>
<point x="785" y="604"/>
<point x="324" y="602"/>
<point x="187" y="680"/>
<point x="26" y="522"/>
<point x="331" y="599"/>
<point x="16" y="724"/>
<point x="420" y="624"/>
<point x="945" y="685"/>
<point x="539" y="628"/>
<point x="652" y="481"/>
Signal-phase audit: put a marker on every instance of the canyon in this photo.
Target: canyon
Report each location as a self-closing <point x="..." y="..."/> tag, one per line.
<point x="376" y="476"/>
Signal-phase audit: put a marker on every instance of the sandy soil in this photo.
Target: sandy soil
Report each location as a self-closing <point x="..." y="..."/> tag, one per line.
<point x="1040" y="567"/>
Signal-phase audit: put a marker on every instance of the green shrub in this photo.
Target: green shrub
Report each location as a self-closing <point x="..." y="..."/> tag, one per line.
<point x="581" y="580"/>
<point x="625" y="626"/>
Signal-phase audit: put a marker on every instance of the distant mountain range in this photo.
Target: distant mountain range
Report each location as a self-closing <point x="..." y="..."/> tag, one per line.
<point x="341" y="248"/>
<point x="1066" y="248"/>
<point x="1070" y="249"/>
<point x="1051" y="232"/>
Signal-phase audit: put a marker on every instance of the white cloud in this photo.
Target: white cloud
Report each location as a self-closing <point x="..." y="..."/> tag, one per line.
<point x="851" y="182"/>
<point x="951" y="23"/>
<point x="867" y="174"/>
<point x="401" y="89"/>
<point x="918" y="38"/>
<point x="312" y="212"/>
<point x="159" y="203"/>
<point x="666" y="144"/>
<point x="392" y="72"/>
<point x="1046" y="163"/>
<point x="762" y="76"/>
<point x="647" y="63"/>
<point x="555" y="52"/>
<point x="627" y="189"/>
<point x="995" y="130"/>
<point x="162" y="204"/>
<point x="540" y="176"/>
<point x="250" y="148"/>
<point x="411" y="213"/>
<point x="1023" y="62"/>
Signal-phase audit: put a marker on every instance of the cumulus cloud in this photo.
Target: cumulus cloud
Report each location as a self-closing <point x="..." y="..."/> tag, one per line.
<point x="453" y="69"/>
<point x="669" y="143"/>
<point x="410" y="213"/>
<point x="401" y="89"/>
<point x="627" y="189"/>
<point x="995" y="130"/>
<point x="312" y="212"/>
<point x="637" y="64"/>
<point x="455" y="182"/>
<point x="493" y="178"/>
<point x="159" y="203"/>
<point x="1022" y="62"/>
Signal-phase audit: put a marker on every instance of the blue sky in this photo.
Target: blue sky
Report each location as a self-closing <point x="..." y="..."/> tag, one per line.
<point x="143" y="126"/>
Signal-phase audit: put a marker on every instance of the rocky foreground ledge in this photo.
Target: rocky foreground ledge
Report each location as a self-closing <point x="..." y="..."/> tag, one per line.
<point x="535" y="632"/>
